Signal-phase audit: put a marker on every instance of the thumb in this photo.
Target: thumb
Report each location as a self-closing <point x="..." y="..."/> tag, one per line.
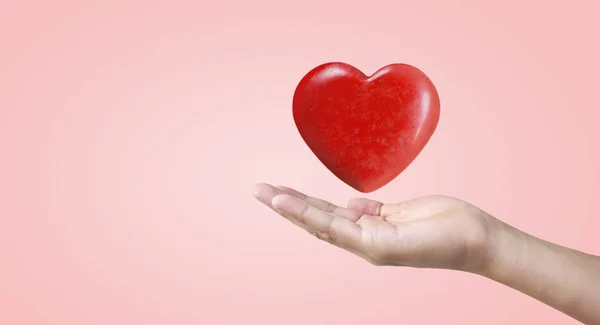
<point x="398" y="212"/>
<point x="376" y="208"/>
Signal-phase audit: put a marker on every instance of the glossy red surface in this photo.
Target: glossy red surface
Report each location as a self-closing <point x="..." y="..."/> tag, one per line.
<point x="366" y="129"/>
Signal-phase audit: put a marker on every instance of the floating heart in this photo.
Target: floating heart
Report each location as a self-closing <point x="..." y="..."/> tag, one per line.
<point x="366" y="129"/>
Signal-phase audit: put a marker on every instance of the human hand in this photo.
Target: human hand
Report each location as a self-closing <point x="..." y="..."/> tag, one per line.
<point x="429" y="232"/>
<point x="447" y="233"/>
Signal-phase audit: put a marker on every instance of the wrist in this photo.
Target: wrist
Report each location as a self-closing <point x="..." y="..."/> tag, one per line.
<point x="504" y="250"/>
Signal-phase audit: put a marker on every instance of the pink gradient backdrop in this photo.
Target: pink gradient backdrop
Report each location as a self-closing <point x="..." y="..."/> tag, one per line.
<point x="131" y="133"/>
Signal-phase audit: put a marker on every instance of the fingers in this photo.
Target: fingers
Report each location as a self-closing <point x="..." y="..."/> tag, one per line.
<point x="398" y="212"/>
<point x="295" y="193"/>
<point x="334" y="229"/>
<point x="365" y="206"/>
<point x="265" y="194"/>
<point x="316" y="202"/>
<point x="326" y="226"/>
<point x="349" y="214"/>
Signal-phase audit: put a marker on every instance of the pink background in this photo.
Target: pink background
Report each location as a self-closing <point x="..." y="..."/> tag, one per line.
<point x="131" y="133"/>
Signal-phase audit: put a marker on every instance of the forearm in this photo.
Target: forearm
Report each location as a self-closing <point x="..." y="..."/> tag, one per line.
<point x="562" y="278"/>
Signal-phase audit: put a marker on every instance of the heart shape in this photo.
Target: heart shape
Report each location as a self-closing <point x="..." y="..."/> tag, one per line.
<point x="366" y="129"/>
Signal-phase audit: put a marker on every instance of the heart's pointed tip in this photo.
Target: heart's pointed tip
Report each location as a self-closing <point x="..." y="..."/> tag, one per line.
<point x="364" y="189"/>
<point x="367" y="191"/>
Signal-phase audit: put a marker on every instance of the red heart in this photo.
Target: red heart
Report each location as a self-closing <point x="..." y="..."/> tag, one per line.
<point x="366" y="129"/>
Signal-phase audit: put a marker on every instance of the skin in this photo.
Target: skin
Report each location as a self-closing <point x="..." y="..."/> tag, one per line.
<point x="446" y="233"/>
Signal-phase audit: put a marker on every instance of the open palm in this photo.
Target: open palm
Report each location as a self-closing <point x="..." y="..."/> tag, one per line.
<point x="429" y="232"/>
